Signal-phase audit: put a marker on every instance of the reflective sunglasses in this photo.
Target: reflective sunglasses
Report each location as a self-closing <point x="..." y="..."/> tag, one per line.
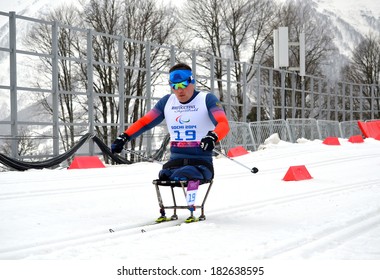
<point x="181" y="85"/>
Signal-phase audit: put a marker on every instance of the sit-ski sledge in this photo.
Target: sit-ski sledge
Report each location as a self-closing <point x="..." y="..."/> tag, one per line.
<point x="189" y="190"/>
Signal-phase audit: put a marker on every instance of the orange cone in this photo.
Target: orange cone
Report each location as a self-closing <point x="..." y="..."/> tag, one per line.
<point x="331" y="141"/>
<point x="297" y="173"/>
<point x="356" y="139"/>
<point x="237" y="151"/>
<point x="86" y="162"/>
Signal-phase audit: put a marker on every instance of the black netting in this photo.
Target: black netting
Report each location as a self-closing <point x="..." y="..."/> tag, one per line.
<point x="24" y="165"/>
<point x="107" y="152"/>
<point x="53" y="162"/>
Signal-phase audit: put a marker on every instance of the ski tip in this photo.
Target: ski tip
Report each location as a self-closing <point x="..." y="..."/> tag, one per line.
<point x="161" y="220"/>
<point x="191" y="220"/>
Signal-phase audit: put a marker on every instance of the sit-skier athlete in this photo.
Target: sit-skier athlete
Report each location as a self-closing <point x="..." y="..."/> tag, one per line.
<point x="195" y="121"/>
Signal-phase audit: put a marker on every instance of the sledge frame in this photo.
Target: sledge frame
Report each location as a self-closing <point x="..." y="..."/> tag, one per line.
<point x="183" y="186"/>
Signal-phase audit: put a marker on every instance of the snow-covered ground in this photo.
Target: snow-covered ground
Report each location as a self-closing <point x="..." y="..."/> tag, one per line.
<point x="68" y="214"/>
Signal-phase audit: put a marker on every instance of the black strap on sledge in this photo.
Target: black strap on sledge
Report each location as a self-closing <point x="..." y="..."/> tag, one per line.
<point x="172" y="183"/>
<point x="175" y="163"/>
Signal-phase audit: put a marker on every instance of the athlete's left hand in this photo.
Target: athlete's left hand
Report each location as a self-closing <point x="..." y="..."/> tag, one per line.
<point x="208" y="142"/>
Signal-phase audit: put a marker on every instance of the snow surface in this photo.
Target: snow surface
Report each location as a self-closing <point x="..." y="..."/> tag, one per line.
<point x="67" y="214"/>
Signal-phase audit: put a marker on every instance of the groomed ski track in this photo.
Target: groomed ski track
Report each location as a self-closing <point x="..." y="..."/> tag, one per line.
<point x="320" y="218"/>
<point x="324" y="239"/>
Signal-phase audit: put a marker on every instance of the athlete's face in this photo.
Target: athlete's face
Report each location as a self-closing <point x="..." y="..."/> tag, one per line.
<point x="184" y="94"/>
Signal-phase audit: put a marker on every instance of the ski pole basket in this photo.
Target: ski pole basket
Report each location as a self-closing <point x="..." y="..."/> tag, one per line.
<point x="182" y="185"/>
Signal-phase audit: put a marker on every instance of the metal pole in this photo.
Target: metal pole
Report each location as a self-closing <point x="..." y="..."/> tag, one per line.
<point x="283" y="96"/>
<point x="194" y="64"/>
<point x="212" y="73"/>
<point x="244" y="93"/>
<point x="372" y="101"/>
<point x="351" y="104"/>
<point x="311" y="109"/>
<point x="121" y="86"/>
<point x="271" y="94"/>
<point x="148" y="92"/>
<point x="258" y="93"/>
<point x="303" y="94"/>
<point x="13" y="82"/>
<point x="361" y="96"/>
<point x="229" y="108"/>
<point x="90" y="88"/>
<point x="294" y="106"/>
<point x="328" y="102"/>
<point x="55" y="88"/>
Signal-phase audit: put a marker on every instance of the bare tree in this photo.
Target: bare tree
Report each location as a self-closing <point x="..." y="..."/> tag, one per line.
<point x="234" y="30"/>
<point x="143" y="21"/>
<point x="104" y="17"/>
<point x="25" y="142"/>
<point x="137" y="23"/>
<point x="247" y="24"/>
<point x="204" y="30"/>
<point x="364" y="68"/>
<point x="132" y="22"/>
<point x="39" y="39"/>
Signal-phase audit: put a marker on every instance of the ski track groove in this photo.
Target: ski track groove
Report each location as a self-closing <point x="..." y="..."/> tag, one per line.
<point x="115" y="186"/>
<point x="134" y="229"/>
<point x="326" y="239"/>
<point x="18" y="252"/>
<point x="240" y="209"/>
<point x="92" y="188"/>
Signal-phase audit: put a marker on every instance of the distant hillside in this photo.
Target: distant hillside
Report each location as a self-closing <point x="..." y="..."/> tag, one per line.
<point x="351" y="19"/>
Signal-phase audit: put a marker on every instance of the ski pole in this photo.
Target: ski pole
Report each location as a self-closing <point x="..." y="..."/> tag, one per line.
<point x="144" y="157"/>
<point x="253" y="169"/>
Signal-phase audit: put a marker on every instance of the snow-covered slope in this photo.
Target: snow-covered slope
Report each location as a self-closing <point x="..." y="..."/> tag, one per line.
<point x="352" y="20"/>
<point x="67" y="214"/>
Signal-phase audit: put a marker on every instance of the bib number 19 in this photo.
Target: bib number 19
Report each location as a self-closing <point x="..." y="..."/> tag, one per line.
<point x="189" y="135"/>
